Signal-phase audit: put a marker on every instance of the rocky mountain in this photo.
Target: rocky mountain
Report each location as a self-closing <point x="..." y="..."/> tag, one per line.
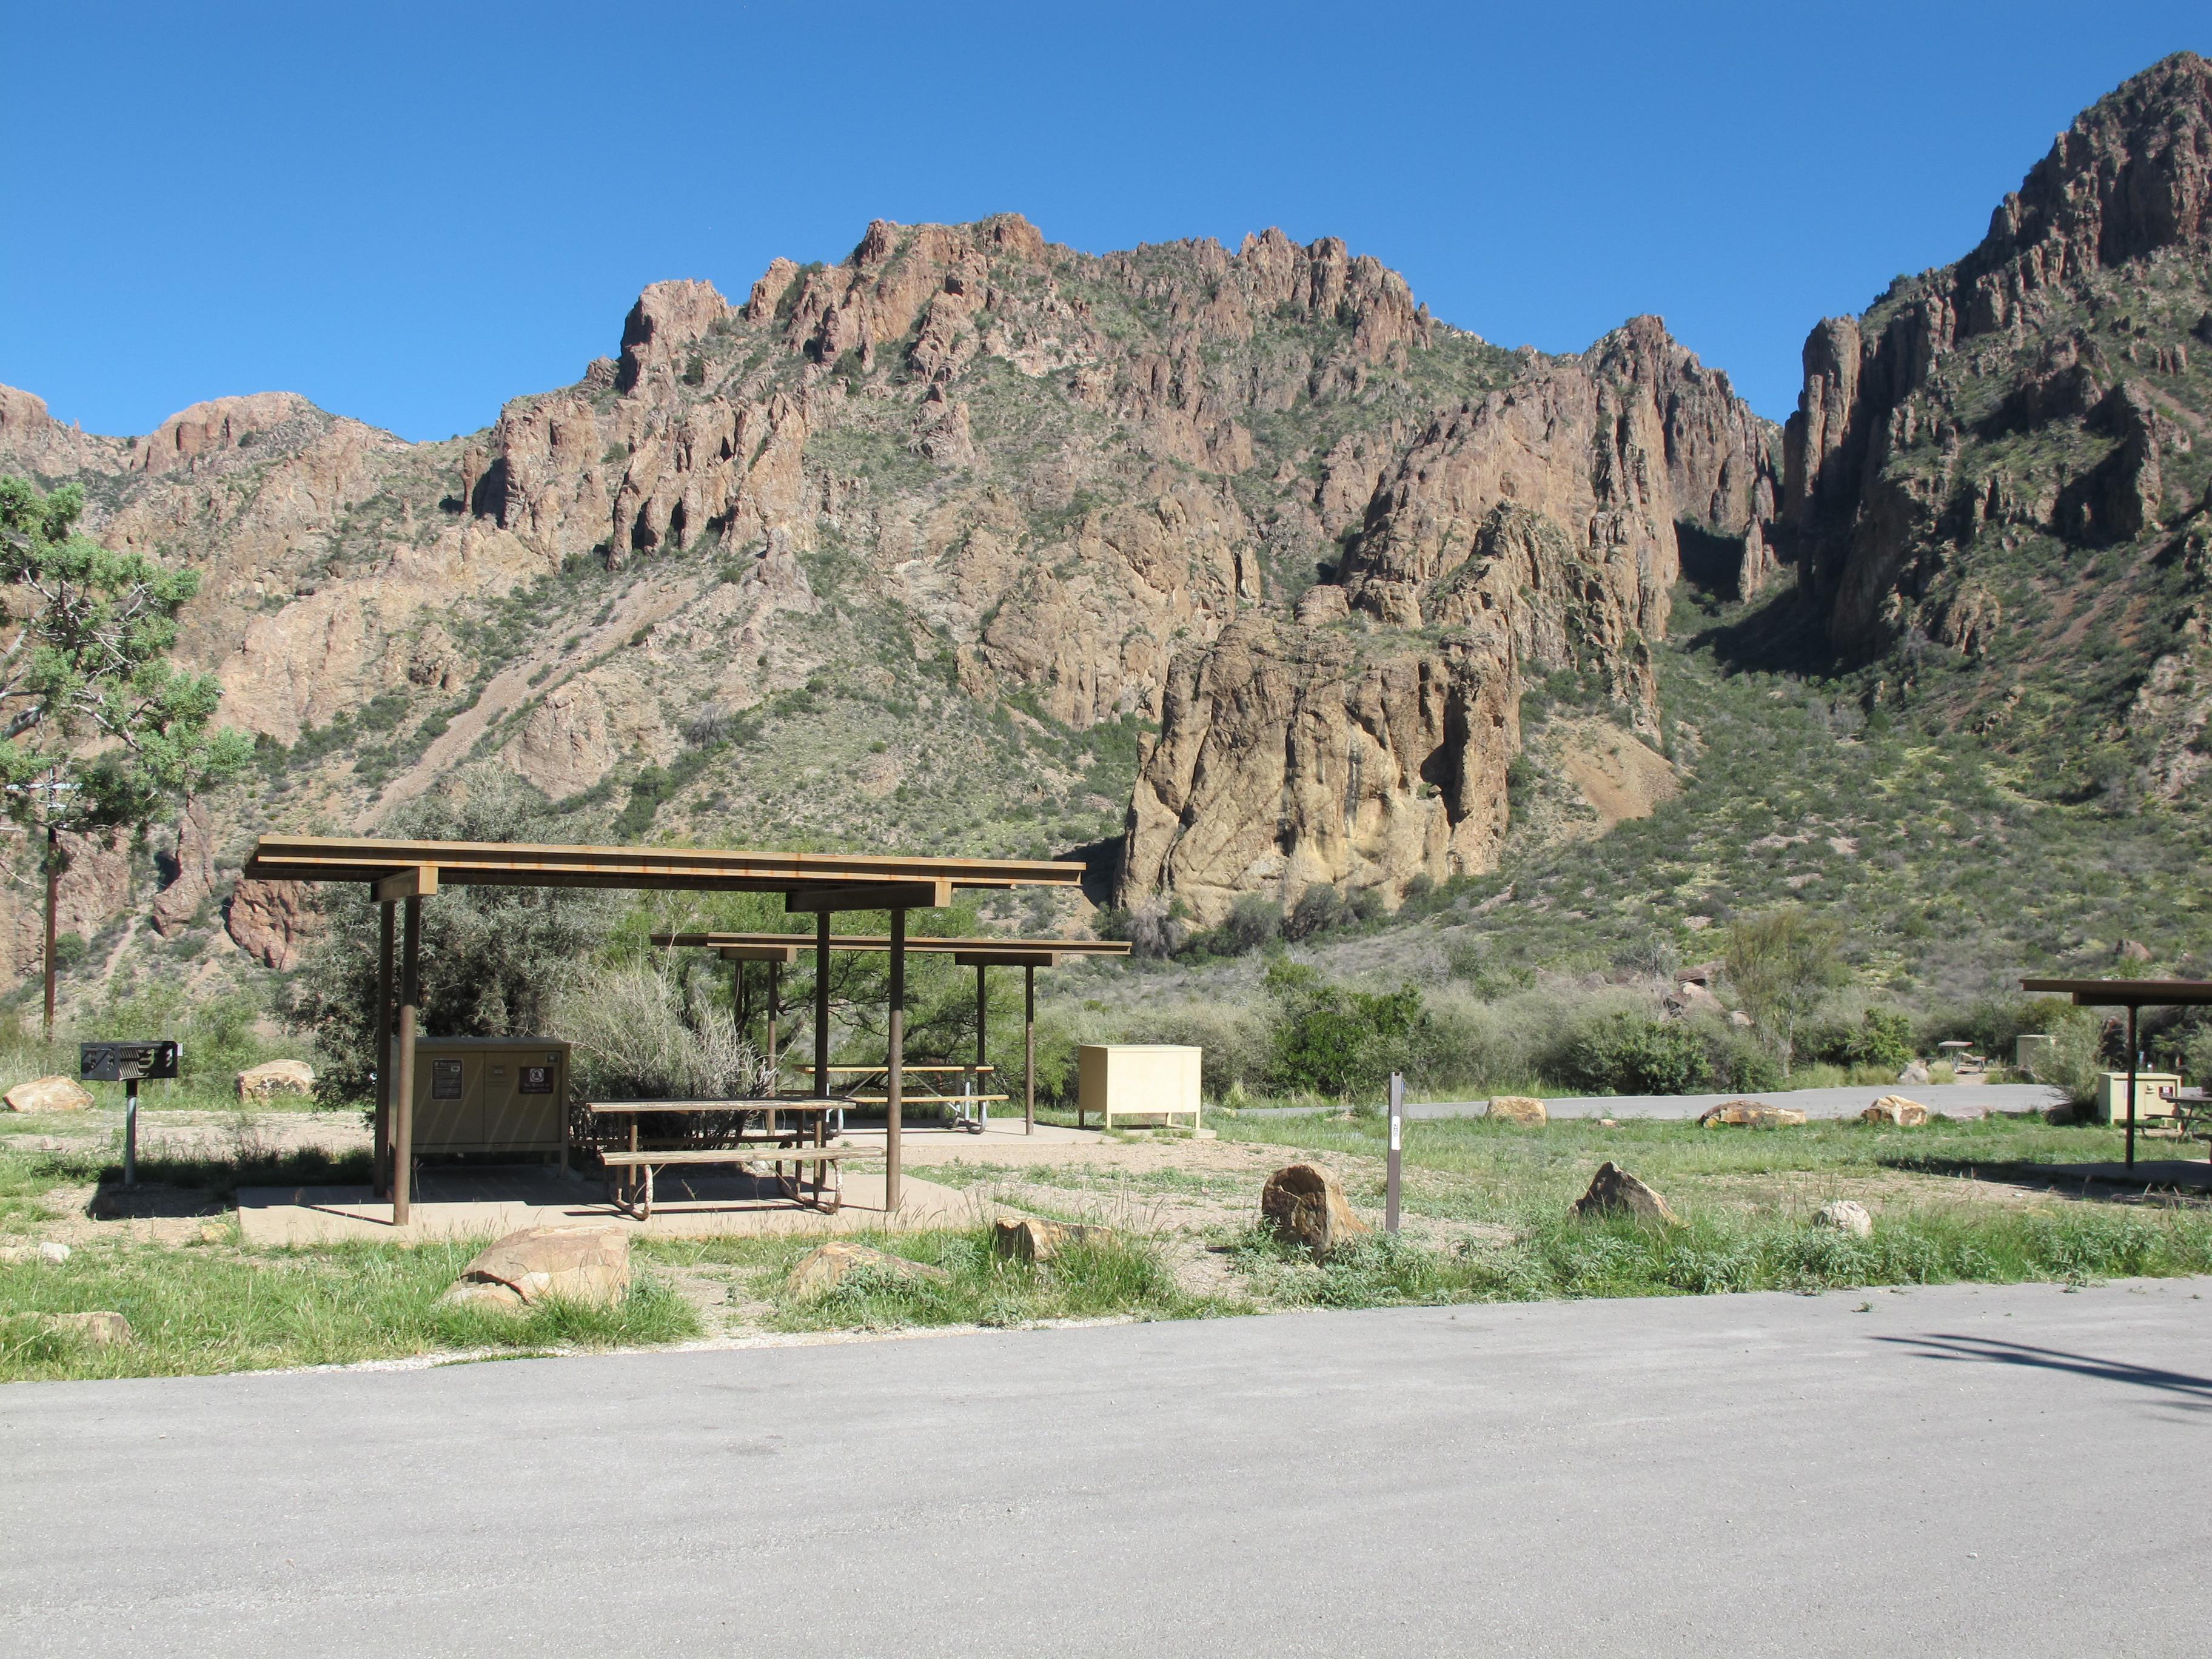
<point x="1237" y="562"/>
<point x="1996" y="482"/>
<point x="918" y="550"/>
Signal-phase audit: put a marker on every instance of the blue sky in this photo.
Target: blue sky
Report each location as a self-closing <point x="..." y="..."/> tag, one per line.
<point x="410" y="213"/>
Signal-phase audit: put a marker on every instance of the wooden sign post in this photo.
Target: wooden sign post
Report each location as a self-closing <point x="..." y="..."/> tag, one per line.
<point x="1397" y="1147"/>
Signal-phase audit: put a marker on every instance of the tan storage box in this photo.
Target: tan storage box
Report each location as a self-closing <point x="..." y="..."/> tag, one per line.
<point x="2155" y="1093"/>
<point x="490" y="1095"/>
<point x="1137" y="1079"/>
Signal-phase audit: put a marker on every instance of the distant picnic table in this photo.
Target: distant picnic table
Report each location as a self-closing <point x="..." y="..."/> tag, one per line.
<point x="806" y="1140"/>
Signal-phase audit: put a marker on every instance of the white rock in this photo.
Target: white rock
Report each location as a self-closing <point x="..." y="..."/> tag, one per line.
<point x="1845" y="1215"/>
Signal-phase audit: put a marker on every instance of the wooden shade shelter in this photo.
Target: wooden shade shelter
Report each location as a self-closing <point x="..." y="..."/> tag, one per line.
<point x="403" y="873"/>
<point x="2134" y="995"/>
<point x="779" y="951"/>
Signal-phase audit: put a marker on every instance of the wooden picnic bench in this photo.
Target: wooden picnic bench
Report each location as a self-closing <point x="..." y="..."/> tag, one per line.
<point x="629" y="1174"/>
<point x="878" y="1076"/>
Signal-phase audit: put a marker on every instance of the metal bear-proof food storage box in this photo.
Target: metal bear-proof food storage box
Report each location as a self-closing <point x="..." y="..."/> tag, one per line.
<point x="490" y="1095"/>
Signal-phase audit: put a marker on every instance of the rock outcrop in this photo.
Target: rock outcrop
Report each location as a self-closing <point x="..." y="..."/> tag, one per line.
<point x="1983" y="420"/>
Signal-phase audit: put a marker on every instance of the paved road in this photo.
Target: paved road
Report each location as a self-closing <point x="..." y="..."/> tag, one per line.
<point x="2016" y="1471"/>
<point x="1959" y="1099"/>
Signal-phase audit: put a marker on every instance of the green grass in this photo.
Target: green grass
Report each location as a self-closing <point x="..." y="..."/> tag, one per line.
<point x="211" y="1309"/>
<point x="1125" y="1278"/>
<point x="1497" y="1172"/>
<point x="1714" y="1253"/>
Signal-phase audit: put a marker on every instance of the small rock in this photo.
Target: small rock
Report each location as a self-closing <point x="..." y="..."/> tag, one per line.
<point x="214" y="1233"/>
<point x="1896" y="1110"/>
<point x="1845" y="1215"/>
<point x="1027" y="1239"/>
<point x="2132" y="950"/>
<point x="279" y="1076"/>
<point x="823" y="1270"/>
<point x="48" y="1252"/>
<point x="100" y="1330"/>
<point x="1518" y="1109"/>
<point x="1305" y="1204"/>
<point x="571" y="1264"/>
<point x="1613" y="1191"/>
<point x="1749" y="1115"/>
<point x="49" y="1094"/>
<point x="53" y="1252"/>
<point x="1916" y="1073"/>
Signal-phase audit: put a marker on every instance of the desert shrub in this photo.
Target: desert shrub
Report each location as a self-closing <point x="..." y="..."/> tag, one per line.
<point x="1319" y="909"/>
<point x="1253" y="923"/>
<point x="1620" y="1051"/>
<point x="1333" y="1041"/>
<point x="639" y="1035"/>
<point x="1882" y="1037"/>
<point x="1466" y="1041"/>
<point x="1734" y="1060"/>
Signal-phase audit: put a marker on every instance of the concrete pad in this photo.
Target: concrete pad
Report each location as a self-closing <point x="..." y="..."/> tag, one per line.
<point x="490" y="1203"/>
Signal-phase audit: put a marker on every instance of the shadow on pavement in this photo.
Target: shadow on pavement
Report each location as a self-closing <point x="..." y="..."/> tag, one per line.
<point x="2196" y="1391"/>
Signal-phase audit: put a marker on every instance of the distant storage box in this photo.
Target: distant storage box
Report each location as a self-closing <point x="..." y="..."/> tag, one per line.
<point x="490" y="1095"/>
<point x="1137" y="1079"/>
<point x="2155" y="1093"/>
<point x="2032" y="1053"/>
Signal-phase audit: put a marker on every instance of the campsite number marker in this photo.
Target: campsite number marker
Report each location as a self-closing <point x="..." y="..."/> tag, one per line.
<point x="1397" y="1145"/>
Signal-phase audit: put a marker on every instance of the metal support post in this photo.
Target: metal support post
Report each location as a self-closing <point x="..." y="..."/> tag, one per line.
<point x="2132" y="1063"/>
<point x="1397" y="1148"/>
<point x="131" y="1131"/>
<point x="774" y="1007"/>
<point x="1029" y="1049"/>
<point x="403" y="1105"/>
<point x="381" y="1173"/>
<point x="821" y="1007"/>
<point x="895" y="1073"/>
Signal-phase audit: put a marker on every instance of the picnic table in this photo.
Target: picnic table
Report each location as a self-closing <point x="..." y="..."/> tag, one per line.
<point x="807" y="1140"/>
<point x="974" y="1113"/>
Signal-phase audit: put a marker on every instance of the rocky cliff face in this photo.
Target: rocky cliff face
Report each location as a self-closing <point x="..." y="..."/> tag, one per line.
<point x="1532" y="531"/>
<point x="914" y="549"/>
<point x="2005" y="456"/>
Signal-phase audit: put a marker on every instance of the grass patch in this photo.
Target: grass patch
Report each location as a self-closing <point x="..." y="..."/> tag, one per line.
<point x="1716" y="1253"/>
<point x="1126" y="1278"/>
<point x="200" y="1311"/>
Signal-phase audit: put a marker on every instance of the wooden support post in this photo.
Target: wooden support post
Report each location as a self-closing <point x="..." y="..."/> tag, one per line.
<point x="738" y="1011"/>
<point x="403" y="1109"/>
<point x="1029" y="1049"/>
<point x="380" y="1178"/>
<point x="821" y="1007"/>
<point x="774" y="1007"/>
<point x="2131" y="1085"/>
<point x="895" y="1073"/>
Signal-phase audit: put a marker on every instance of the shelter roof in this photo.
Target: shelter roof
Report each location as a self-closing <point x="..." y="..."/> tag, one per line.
<point x="984" y="946"/>
<point x="2126" y="992"/>
<point x="401" y="867"/>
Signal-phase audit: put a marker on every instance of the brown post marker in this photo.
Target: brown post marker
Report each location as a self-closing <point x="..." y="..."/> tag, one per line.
<point x="775" y="1006"/>
<point x="821" y="1007"/>
<point x="381" y="1179"/>
<point x="403" y="1112"/>
<point x="1028" y="1048"/>
<point x="894" y="1080"/>
<point x="2131" y="1085"/>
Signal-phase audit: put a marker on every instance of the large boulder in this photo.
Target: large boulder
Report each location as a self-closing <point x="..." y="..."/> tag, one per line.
<point x="822" y="1271"/>
<point x="275" y="1078"/>
<point x="1896" y="1110"/>
<point x="1916" y="1073"/>
<point x="1024" y="1238"/>
<point x="49" y="1094"/>
<point x="1524" y="1110"/>
<point x="103" y="1329"/>
<point x="540" y="1264"/>
<point x="1305" y="1205"/>
<point x="1749" y="1115"/>
<point x="1613" y="1191"/>
<point x="1845" y="1215"/>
